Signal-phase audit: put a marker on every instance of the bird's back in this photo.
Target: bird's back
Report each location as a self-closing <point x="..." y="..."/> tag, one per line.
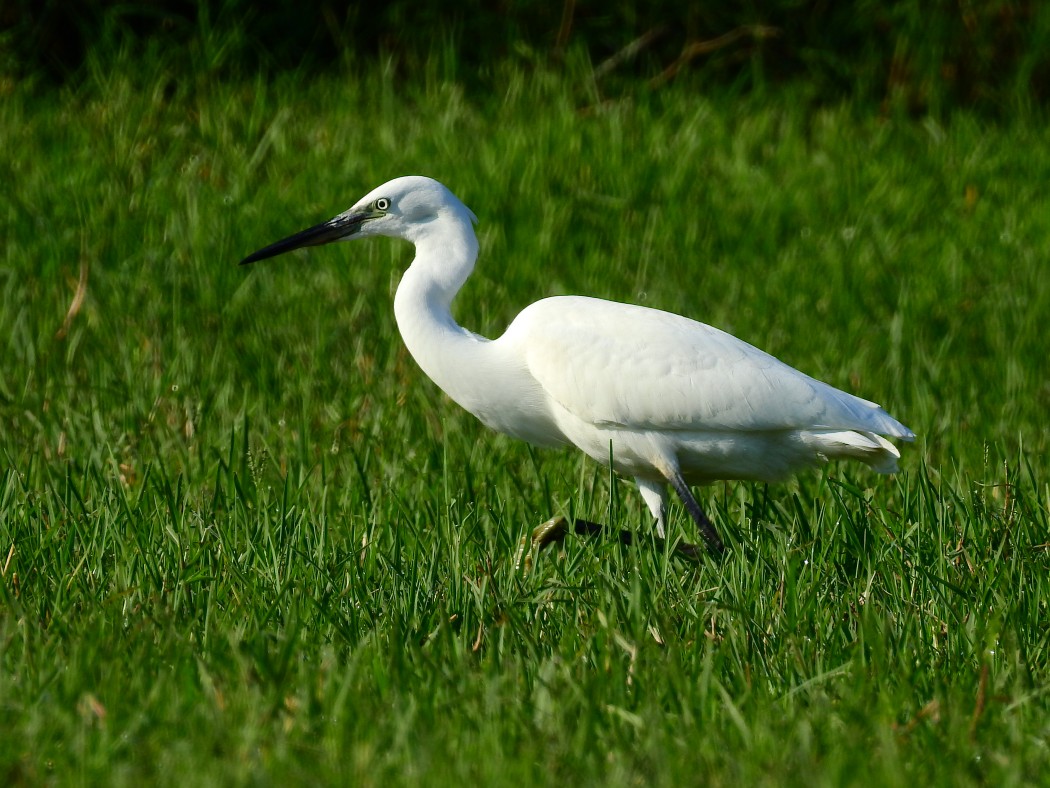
<point x="614" y="364"/>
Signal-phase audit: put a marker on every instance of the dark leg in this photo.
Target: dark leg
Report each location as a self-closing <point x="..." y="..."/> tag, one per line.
<point x="714" y="544"/>
<point x="555" y="530"/>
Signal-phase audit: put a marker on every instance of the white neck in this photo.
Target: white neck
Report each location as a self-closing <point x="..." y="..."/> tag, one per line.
<point x="445" y="253"/>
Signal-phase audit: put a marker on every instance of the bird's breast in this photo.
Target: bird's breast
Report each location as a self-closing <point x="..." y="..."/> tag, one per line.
<point x="519" y="409"/>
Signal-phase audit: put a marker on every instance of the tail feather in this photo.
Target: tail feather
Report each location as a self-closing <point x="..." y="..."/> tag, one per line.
<point x="868" y="447"/>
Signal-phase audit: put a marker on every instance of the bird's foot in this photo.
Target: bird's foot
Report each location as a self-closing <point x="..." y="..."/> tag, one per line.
<point x="553" y="530"/>
<point x="556" y="528"/>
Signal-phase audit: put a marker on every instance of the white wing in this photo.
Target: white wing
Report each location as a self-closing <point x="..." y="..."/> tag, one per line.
<point x="617" y="364"/>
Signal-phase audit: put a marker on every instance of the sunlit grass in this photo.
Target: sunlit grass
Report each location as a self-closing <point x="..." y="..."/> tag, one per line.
<point x="243" y="538"/>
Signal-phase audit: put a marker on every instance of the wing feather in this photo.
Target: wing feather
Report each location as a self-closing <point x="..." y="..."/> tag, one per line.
<point x="613" y="364"/>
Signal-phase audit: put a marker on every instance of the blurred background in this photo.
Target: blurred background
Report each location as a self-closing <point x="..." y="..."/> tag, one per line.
<point x="991" y="55"/>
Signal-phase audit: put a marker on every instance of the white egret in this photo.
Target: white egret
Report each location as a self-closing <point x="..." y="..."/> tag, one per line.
<point x="665" y="399"/>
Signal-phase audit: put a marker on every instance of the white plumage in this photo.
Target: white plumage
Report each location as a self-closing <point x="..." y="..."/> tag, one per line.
<point x="669" y="399"/>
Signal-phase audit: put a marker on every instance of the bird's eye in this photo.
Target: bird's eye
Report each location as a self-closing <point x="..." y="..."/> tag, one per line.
<point x="382" y="204"/>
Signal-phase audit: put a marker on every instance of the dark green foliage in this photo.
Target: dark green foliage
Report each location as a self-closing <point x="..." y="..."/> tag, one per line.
<point x="992" y="54"/>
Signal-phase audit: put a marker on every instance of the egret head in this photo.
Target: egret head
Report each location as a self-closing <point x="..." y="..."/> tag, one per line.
<point x="405" y="207"/>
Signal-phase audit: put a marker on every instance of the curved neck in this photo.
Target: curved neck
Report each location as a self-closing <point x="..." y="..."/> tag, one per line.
<point x="445" y="255"/>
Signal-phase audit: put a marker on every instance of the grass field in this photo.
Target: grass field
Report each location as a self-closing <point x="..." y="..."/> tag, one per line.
<point x="243" y="539"/>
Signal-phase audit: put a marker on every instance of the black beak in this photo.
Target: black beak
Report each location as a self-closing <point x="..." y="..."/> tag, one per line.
<point x="342" y="226"/>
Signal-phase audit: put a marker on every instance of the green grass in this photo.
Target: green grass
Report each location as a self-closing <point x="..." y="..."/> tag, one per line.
<point x="244" y="540"/>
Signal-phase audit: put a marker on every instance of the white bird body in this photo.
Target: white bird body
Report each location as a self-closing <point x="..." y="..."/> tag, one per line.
<point x="665" y="398"/>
